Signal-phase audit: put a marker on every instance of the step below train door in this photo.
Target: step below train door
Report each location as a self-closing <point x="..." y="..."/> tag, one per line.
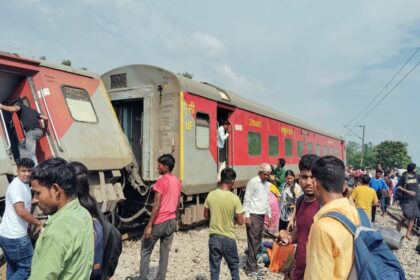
<point x="133" y="108"/>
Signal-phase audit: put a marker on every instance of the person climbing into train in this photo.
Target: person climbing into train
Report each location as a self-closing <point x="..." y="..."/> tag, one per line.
<point x="408" y="189"/>
<point x="306" y="208"/>
<point x="65" y="248"/>
<point x="108" y="242"/>
<point x="14" y="239"/>
<point x="222" y="136"/>
<point x="280" y="173"/>
<point x="223" y="208"/>
<point x="30" y="122"/>
<point x="291" y="191"/>
<point x="256" y="206"/>
<point x="162" y="222"/>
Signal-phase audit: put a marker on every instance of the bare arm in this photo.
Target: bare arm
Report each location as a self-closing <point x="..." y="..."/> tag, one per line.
<point x="43" y="117"/>
<point x="153" y="216"/>
<point x="239" y="219"/>
<point x="206" y="213"/>
<point x="12" y="109"/>
<point x="24" y="214"/>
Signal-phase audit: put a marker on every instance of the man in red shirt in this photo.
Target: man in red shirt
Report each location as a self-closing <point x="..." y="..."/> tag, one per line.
<point x="303" y="216"/>
<point x="162" y="223"/>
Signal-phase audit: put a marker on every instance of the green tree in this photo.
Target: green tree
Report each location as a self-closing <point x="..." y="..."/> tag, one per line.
<point x="66" y="62"/>
<point x="42" y="57"/>
<point x="187" y="75"/>
<point x="354" y="153"/>
<point x="392" y="154"/>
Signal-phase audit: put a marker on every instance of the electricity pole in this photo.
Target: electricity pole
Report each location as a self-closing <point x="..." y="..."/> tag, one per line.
<point x="363" y="145"/>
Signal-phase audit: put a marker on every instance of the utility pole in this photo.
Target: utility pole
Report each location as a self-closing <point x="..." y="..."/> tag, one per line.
<point x="363" y="145"/>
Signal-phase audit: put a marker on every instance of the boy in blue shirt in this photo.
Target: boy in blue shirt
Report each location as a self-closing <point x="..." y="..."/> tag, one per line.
<point x="378" y="184"/>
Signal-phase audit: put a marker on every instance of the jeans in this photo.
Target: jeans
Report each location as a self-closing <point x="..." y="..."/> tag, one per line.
<point x="18" y="253"/>
<point x="222" y="246"/>
<point x="27" y="147"/>
<point x="165" y="233"/>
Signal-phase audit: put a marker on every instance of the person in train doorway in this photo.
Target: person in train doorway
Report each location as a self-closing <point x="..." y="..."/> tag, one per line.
<point x="162" y="223"/>
<point x="303" y="216"/>
<point x="222" y="136"/>
<point x="223" y="208"/>
<point x="14" y="240"/>
<point x="65" y="248"/>
<point x="30" y="122"/>
<point x="256" y="206"/>
<point x="280" y="174"/>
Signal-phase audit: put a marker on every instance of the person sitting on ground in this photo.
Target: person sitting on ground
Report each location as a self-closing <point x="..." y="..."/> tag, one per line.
<point x="329" y="252"/>
<point x="291" y="191"/>
<point x="408" y="189"/>
<point x="364" y="196"/>
<point x="223" y="207"/>
<point x="65" y="248"/>
<point x="306" y="208"/>
<point x="108" y="242"/>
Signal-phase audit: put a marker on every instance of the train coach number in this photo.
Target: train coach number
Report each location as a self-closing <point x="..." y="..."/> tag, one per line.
<point x="254" y="123"/>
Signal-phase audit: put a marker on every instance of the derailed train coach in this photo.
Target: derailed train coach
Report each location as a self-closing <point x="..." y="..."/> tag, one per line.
<point x="162" y="112"/>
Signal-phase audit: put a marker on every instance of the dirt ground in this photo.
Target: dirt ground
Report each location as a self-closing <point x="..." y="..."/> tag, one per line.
<point x="189" y="256"/>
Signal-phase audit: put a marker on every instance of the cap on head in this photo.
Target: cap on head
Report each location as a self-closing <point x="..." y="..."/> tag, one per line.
<point x="265" y="167"/>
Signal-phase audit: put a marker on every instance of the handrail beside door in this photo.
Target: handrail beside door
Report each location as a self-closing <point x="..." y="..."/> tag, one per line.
<point x="50" y="119"/>
<point x="9" y="144"/>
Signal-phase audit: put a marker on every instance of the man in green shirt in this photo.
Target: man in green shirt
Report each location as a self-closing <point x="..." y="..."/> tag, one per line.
<point x="222" y="206"/>
<point x="280" y="173"/>
<point x="64" y="249"/>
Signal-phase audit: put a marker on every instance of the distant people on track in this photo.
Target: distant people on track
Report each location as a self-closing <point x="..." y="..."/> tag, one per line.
<point x="222" y="136"/>
<point x="280" y="173"/>
<point x="14" y="240"/>
<point x="65" y="248"/>
<point x="408" y="188"/>
<point x="291" y="191"/>
<point x="256" y="206"/>
<point x="162" y="222"/>
<point x="108" y="242"/>
<point x="223" y="208"/>
<point x="306" y="208"/>
<point x="33" y="132"/>
<point x="378" y="184"/>
<point x="330" y="243"/>
<point x="364" y="196"/>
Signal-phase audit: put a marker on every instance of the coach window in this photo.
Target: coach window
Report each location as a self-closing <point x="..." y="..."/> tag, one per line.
<point x="331" y="151"/>
<point x="318" y="149"/>
<point x="300" y="148"/>
<point x="202" y="131"/>
<point x="273" y="146"/>
<point x="254" y="143"/>
<point x="310" y="148"/>
<point x="325" y="150"/>
<point x="288" y="147"/>
<point x="79" y="104"/>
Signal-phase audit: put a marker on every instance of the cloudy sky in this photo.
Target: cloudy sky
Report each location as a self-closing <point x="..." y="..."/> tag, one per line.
<point x="321" y="61"/>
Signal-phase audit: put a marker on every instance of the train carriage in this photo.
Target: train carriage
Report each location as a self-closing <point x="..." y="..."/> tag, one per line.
<point x="162" y="112"/>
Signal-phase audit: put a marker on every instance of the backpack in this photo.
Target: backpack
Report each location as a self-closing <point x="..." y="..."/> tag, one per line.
<point x="112" y="251"/>
<point x="373" y="259"/>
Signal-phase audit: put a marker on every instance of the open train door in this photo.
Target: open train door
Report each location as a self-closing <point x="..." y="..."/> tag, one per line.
<point x="225" y="155"/>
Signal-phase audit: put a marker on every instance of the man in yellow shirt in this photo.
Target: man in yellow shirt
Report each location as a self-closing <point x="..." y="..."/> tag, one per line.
<point x="329" y="253"/>
<point x="364" y="196"/>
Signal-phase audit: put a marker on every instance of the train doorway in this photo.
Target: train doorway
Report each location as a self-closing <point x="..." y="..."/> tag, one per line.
<point x="224" y="137"/>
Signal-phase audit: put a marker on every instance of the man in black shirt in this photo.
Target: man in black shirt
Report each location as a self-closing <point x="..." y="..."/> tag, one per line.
<point x="30" y="122"/>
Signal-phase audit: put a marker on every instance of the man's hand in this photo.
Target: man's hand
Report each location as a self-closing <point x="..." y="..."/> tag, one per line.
<point x="269" y="222"/>
<point x="38" y="228"/>
<point x="248" y="221"/>
<point x="148" y="232"/>
<point x="290" y="225"/>
<point x="284" y="238"/>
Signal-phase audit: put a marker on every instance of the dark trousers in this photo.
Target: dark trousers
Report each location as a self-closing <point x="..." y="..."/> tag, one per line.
<point x="18" y="253"/>
<point x="373" y="213"/>
<point x="165" y="233"/>
<point x="254" y="237"/>
<point x="222" y="246"/>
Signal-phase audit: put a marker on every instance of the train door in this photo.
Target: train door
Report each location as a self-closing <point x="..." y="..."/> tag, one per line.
<point x="224" y="147"/>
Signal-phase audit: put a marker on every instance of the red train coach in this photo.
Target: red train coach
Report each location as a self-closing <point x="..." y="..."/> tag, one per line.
<point x="81" y="123"/>
<point x="162" y="112"/>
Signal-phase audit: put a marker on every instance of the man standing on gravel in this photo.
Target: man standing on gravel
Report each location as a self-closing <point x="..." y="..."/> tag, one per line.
<point x="223" y="207"/>
<point x="162" y="223"/>
<point x="256" y="206"/>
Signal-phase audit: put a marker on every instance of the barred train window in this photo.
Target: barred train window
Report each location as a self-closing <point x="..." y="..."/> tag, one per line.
<point x="310" y="148"/>
<point x="273" y="146"/>
<point x="325" y="150"/>
<point x="202" y="131"/>
<point x="79" y="104"/>
<point x="254" y="143"/>
<point x="288" y="147"/>
<point x="318" y="149"/>
<point x="300" y="148"/>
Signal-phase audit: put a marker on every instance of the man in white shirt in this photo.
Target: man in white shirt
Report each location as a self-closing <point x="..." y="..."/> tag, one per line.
<point x="222" y="136"/>
<point x="256" y="206"/>
<point x="14" y="240"/>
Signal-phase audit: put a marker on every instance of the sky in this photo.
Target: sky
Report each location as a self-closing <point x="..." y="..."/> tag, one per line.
<point x="320" y="61"/>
